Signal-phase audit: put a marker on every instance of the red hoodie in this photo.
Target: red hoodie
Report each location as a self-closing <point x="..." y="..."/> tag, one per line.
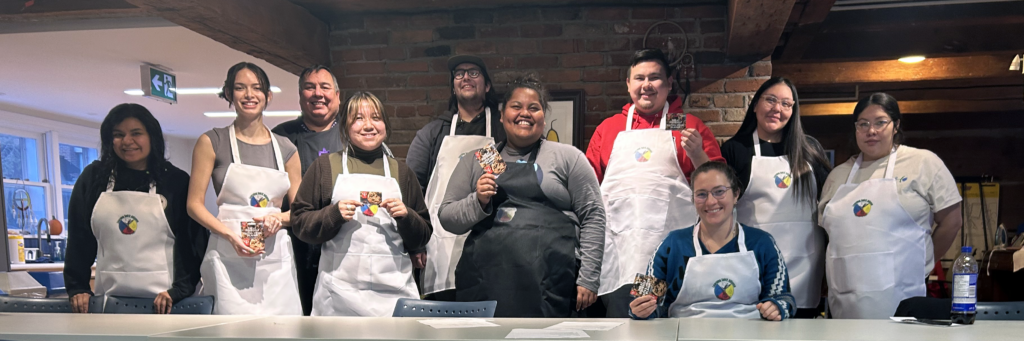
<point x="600" y="148"/>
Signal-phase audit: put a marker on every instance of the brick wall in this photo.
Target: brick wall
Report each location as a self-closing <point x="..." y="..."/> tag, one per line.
<point x="402" y="58"/>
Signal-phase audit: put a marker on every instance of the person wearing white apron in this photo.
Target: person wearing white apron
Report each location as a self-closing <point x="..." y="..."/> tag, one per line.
<point x="138" y="232"/>
<point x="245" y="280"/>
<point x="366" y="209"/>
<point x="445" y="248"/>
<point x="780" y="197"/>
<point x="643" y="169"/>
<point x="714" y="268"/>
<point x="881" y="245"/>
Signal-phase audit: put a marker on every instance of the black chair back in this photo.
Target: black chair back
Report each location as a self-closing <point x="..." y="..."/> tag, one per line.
<point x="10" y="304"/>
<point x="407" y="307"/>
<point x="201" y="305"/>
<point x="1000" y="311"/>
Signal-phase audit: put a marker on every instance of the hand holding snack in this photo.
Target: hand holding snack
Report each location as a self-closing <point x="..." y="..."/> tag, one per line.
<point x="348" y="208"/>
<point x="396" y="208"/>
<point x="240" y="248"/>
<point x="490" y="160"/>
<point x="643" y="306"/>
<point x="486" y="187"/>
<point x="271" y="224"/>
<point x="252" y="235"/>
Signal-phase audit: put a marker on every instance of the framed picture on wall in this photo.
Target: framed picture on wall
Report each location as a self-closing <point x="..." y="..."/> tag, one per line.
<point x="564" y="120"/>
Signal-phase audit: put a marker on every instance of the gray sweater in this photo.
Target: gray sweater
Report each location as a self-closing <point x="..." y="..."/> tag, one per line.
<point x="568" y="182"/>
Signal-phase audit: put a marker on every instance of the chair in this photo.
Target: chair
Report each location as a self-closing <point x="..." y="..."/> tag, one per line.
<point x="1005" y="311"/>
<point x="407" y="307"/>
<point x="41" y="305"/>
<point x="134" y="305"/>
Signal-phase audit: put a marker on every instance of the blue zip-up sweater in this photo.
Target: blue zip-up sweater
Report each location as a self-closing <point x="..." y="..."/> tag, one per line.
<point x="669" y="264"/>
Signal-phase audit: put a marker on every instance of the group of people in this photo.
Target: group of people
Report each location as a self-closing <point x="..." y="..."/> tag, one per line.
<point x="485" y="208"/>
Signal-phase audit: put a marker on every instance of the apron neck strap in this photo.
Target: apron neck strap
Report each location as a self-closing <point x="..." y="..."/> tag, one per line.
<point x="344" y="161"/>
<point x="890" y="166"/>
<point x="487" y="113"/>
<point x="235" y="156"/>
<point x="757" y="144"/>
<point x="632" y="108"/>
<point x="110" y="184"/>
<point x="741" y="238"/>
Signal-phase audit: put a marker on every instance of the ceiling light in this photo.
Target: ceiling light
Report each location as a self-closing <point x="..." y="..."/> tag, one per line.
<point x="912" y="59"/>
<point x="192" y="91"/>
<point x="285" y="113"/>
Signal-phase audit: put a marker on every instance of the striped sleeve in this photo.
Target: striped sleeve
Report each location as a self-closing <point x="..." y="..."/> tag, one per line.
<point x="775" y="278"/>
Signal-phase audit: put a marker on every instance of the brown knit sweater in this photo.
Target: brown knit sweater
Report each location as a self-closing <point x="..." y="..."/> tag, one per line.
<point x="315" y="220"/>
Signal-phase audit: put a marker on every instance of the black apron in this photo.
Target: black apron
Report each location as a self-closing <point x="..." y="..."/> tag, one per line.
<point x="526" y="261"/>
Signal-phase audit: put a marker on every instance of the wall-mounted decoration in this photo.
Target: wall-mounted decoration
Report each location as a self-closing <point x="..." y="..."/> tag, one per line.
<point x="564" y="119"/>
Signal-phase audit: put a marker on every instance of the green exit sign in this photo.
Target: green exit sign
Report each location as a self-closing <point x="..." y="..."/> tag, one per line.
<point x="159" y="84"/>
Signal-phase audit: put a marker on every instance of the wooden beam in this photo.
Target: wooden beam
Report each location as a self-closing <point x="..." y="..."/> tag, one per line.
<point x="807" y="28"/>
<point x="53" y="10"/>
<point x="755" y="26"/>
<point x="919" y="107"/>
<point x="967" y="67"/>
<point x="282" y="33"/>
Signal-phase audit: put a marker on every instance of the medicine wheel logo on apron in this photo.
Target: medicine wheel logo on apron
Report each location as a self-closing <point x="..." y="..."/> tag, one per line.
<point x="724" y="288"/>
<point x="782" y="180"/>
<point x="127" y="224"/>
<point x="259" y="199"/>
<point x="642" y="154"/>
<point x="862" y="207"/>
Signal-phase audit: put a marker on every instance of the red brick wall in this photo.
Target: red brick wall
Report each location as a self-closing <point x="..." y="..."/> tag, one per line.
<point x="402" y="58"/>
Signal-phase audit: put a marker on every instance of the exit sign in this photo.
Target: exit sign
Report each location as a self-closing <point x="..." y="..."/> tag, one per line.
<point x="159" y="84"/>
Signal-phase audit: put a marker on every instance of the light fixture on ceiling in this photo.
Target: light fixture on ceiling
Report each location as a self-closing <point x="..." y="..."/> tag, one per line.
<point x="284" y="113"/>
<point x="192" y="91"/>
<point x="912" y="59"/>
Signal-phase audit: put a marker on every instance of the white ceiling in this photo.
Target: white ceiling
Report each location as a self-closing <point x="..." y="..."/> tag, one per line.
<point x="76" y="76"/>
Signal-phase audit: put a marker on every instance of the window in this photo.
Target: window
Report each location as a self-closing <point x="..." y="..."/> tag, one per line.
<point x="20" y="157"/>
<point x="72" y="160"/>
<point x="25" y="205"/>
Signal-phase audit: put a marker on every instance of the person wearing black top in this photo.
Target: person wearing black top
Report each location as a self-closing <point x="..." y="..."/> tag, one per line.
<point x="315" y="133"/>
<point x="131" y="204"/>
<point x="782" y="175"/>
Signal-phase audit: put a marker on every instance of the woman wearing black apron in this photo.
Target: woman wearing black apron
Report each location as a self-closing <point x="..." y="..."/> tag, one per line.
<point x="523" y="222"/>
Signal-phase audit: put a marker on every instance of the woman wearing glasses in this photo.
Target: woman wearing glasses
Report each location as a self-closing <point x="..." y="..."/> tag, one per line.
<point x="781" y="171"/>
<point x="718" y="267"/>
<point x="878" y="209"/>
<point x="523" y="222"/>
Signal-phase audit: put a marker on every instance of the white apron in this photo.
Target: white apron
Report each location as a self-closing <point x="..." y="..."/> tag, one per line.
<point x="645" y="197"/>
<point x="135" y="253"/>
<point x="364" y="269"/>
<point x="259" y="285"/>
<point x="768" y="203"/>
<point x="445" y="248"/>
<point x="719" y="285"/>
<point x="877" y="253"/>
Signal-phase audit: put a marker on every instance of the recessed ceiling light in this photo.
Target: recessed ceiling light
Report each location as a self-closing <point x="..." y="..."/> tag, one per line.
<point x="191" y="91"/>
<point x="912" y="59"/>
<point x="286" y="113"/>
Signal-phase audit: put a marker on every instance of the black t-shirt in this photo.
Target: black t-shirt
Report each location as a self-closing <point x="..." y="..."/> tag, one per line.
<point x="739" y="151"/>
<point x="190" y="238"/>
<point x="310" y="144"/>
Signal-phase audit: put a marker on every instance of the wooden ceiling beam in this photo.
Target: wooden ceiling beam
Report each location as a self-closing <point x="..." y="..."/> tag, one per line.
<point x="919" y="107"/>
<point x="53" y="10"/>
<point x="967" y="67"/>
<point x="755" y="26"/>
<point x="808" y="26"/>
<point x="278" y="31"/>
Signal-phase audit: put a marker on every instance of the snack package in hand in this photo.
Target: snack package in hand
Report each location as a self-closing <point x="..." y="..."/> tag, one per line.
<point x="649" y="285"/>
<point x="675" y="121"/>
<point x="252" y="235"/>
<point x="490" y="160"/>
<point x="371" y="202"/>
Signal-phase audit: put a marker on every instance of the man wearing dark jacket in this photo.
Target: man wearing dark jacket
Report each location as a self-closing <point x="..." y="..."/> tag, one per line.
<point x="472" y="121"/>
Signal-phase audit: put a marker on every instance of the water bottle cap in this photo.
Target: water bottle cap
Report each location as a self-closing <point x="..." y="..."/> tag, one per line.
<point x="965" y="249"/>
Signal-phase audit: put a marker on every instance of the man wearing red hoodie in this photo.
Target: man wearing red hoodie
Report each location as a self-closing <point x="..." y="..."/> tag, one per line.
<point x="644" y="167"/>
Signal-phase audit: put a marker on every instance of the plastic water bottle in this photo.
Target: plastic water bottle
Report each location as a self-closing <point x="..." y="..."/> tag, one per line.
<point x="965" y="287"/>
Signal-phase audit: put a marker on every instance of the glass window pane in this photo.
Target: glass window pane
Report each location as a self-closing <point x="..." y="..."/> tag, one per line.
<point x="66" y="196"/>
<point x="24" y="205"/>
<point x="20" y="156"/>
<point x="72" y="160"/>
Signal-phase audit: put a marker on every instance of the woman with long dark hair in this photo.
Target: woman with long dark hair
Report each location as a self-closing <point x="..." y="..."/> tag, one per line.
<point x="131" y="204"/>
<point x="781" y="170"/>
<point x="878" y="209"/>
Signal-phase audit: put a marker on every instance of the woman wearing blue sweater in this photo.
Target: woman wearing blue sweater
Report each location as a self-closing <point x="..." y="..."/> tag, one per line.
<point x="718" y="267"/>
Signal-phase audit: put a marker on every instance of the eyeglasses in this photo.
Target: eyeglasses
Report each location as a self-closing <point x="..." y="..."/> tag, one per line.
<point x="864" y="125"/>
<point x="460" y="74"/>
<point x="772" y="101"/>
<point x="717" y="192"/>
